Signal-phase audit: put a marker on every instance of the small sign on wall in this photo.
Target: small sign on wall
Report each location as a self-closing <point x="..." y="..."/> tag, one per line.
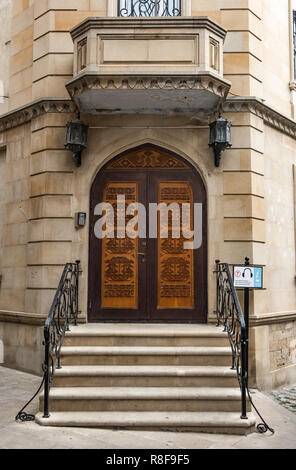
<point x="248" y="276"/>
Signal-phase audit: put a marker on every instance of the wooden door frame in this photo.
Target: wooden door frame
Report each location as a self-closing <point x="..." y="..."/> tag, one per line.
<point x="204" y="251"/>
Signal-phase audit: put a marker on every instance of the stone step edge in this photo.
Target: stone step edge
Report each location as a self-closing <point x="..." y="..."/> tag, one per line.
<point x="145" y="371"/>
<point x="141" y="419"/>
<point x="144" y="393"/>
<point x="149" y="334"/>
<point x="146" y="350"/>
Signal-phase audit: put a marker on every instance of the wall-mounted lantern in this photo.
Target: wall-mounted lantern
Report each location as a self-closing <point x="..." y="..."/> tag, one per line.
<point x="76" y="137"/>
<point x="220" y="137"/>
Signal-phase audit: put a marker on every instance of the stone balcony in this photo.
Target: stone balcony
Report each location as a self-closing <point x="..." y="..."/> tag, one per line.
<point x="148" y="66"/>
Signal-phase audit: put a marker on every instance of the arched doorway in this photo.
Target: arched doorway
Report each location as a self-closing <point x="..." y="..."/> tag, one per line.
<point x="150" y="278"/>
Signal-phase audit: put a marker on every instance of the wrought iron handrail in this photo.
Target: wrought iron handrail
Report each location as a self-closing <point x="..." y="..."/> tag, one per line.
<point x="149" y="8"/>
<point x="230" y="315"/>
<point x="62" y="313"/>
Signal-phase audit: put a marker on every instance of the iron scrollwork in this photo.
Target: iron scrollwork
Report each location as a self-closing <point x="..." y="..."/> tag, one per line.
<point x="63" y="313"/>
<point x="149" y="8"/>
<point x="230" y="315"/>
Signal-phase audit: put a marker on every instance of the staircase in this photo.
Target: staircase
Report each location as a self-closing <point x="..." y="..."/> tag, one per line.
<point x="147" y="376"/>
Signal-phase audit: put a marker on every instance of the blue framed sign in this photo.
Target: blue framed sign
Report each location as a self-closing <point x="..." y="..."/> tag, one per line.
<point x="248" y="276"/>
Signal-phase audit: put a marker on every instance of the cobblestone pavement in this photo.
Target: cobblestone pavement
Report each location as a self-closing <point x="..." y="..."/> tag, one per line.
<point x="17" y="387"/>
<point x="287" y="397"/>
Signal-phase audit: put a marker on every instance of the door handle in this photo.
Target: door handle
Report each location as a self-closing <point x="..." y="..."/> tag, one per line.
<point x="143" y="260"/>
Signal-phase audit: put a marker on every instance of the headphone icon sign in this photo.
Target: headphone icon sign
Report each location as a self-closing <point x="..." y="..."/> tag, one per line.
<point x="248" y="269"/>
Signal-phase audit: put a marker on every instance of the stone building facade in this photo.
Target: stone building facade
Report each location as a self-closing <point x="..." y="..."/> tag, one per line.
<point x="78" y="53"/>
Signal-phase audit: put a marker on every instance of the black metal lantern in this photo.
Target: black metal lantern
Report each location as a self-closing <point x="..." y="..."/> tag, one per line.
<point x="220" y="137"/>
<point x="76" y="136"/>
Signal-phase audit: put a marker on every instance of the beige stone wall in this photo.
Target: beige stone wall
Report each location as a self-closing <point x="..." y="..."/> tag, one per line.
<point x="282" y="345"/>
<point x="21" y="53"/>
<point x="273" y="355"/>
<point x="280" y="294"/>
<point x="50" y="227"/>
<point x="273" y="346"/>
<point x="23" y="347"/>
<point x="2" y="203"/>
<point x="258" y="53"/>
<point x="5" y="25"/>
<point x="276" y="55"/>
<point x="243" y="45"/>
<point x="42" y="49"/>
<point x="16" y="215"/>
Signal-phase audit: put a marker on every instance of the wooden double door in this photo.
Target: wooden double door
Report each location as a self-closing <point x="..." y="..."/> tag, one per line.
<point x="147" y="277"/>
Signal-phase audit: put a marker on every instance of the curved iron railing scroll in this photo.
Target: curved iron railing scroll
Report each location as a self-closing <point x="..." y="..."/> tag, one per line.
<point x="63" y="312"/>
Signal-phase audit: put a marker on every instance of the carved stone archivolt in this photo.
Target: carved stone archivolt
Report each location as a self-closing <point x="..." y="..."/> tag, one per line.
<point x="147" y="158"/>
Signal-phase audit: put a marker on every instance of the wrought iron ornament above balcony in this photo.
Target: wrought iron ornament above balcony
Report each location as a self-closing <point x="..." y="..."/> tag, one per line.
<point x="149" y="8"/>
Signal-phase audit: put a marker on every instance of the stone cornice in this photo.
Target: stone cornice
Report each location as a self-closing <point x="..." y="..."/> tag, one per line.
<point x="195" y="22"/>
<point x="265" y="319"/>
<point x="27" y="318"/>
<point x="270" y="116"/>
<point x="231" y="105"/>
<point x="23" y="318"/>
<point x="34" y="109"/>
<point x="272" y="318"/>
<point x="89" y="81"/>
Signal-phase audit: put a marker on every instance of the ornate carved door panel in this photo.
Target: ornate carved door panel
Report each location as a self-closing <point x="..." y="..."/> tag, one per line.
<point x="148" y="279"/>
<point x="117" y="275"/>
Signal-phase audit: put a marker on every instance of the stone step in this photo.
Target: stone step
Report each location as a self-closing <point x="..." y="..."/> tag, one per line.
<point x="100" y="355"/>
<point x="145" y="376"/>
<point x="144" y="399"/>
<point x="145" y="335"/>
<point x="210" y="422"/>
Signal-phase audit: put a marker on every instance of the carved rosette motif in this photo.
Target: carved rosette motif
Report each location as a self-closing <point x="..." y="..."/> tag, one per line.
<point x="175" y="264"/>
<point x="119" y="255"/>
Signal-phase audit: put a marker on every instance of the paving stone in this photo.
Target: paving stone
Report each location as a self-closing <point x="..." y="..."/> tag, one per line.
<point x="17" y="387"/>
<point x="286" y="397"/>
